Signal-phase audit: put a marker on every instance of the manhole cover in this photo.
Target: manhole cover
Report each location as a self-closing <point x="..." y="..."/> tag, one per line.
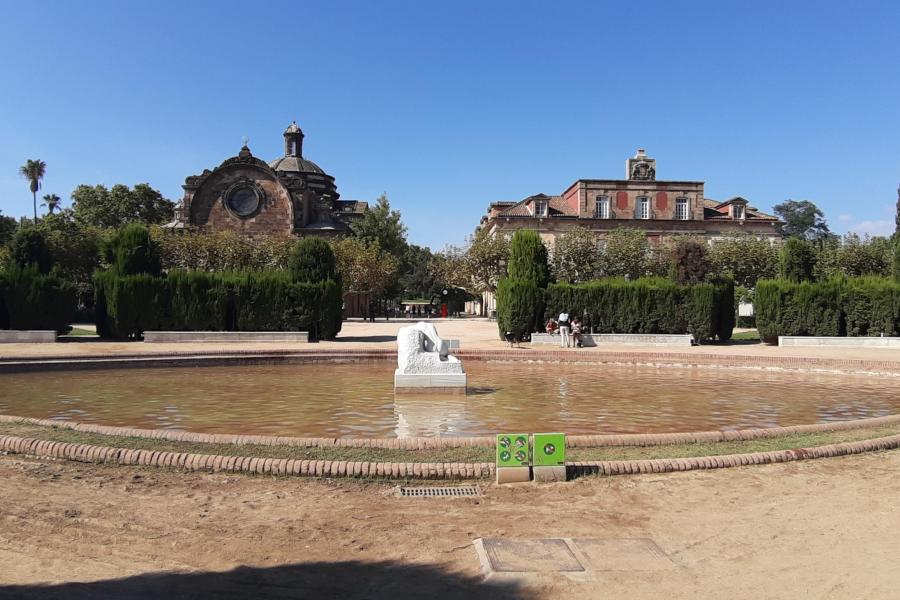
<point x="530" y="556"/>
<point x="447" y="491"/>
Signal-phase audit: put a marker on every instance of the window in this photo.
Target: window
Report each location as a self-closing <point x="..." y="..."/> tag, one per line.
<point x="540" y="208"/>
<point x="681" y="209"/>
<point x="643" y="208"/>
<point x="737" y="211"/>
<point x="601" y="207"/>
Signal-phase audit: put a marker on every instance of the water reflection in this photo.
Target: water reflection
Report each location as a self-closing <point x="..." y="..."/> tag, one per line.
<point x="358" y="400"/>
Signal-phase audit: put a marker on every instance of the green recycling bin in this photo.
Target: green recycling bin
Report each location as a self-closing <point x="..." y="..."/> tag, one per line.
<point x="549" y="449"/>
<point x="513" y="450"/>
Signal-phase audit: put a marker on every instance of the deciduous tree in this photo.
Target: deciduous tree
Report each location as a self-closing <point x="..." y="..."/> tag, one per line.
<point x="576" y="256"/>
<point x="802" y="219"/>
<point x="120" y="205"/>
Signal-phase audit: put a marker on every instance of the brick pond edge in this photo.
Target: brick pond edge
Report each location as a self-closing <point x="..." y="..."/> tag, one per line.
<point x="216" y="463"/>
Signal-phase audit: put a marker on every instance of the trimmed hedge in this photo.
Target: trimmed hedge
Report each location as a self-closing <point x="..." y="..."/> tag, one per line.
<point x="520" y="307"/>
<point x="649" y="305"/>
<point x="858" y="306"/>
<point x="197" y="301"/>
<point x="30" y="299"/>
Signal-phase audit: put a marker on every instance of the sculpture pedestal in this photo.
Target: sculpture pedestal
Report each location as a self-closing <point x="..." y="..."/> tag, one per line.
<point x="429" y="380"/>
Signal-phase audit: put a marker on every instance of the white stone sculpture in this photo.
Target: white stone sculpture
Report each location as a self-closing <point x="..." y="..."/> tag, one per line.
<point x="423" y="360"/>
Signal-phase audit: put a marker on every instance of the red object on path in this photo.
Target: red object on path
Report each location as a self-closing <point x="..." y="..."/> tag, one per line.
<point x="444" y="310"/>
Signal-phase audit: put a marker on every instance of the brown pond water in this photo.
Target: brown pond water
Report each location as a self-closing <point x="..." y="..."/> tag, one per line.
<point x="358" y="400"/>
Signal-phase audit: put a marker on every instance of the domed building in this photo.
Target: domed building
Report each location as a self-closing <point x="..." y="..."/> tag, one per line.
<point x="289" y="195"/>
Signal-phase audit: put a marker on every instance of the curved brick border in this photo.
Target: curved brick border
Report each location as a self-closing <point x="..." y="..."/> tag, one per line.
<point x="242" y="464"/>
<point x="429" y="443"/>
<point x="394" y="470"/>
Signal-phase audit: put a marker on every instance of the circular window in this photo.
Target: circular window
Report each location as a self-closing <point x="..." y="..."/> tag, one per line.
<point x="243" y="201"/>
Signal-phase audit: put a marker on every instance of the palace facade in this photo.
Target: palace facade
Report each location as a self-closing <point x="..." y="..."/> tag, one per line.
<point x="662" y="208"/>
<point x="290" y="195"/>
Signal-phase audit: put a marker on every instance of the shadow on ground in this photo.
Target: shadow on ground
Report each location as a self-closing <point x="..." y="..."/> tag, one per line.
<point x="344" y="580"/>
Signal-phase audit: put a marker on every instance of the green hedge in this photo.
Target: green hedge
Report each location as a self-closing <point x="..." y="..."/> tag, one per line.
<point x="649" y="305"/>
<point x="858" y="306"/>
<point x="199" y="301"/>
<point x="520" y="307"/>
<point x="30" y="299"/>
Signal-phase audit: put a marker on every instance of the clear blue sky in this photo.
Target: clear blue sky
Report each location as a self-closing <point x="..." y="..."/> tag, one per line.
<point x="447" y="106"/>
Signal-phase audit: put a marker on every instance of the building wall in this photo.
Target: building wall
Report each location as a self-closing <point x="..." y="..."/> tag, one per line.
<point x="623" y="197"/>
<point x="274" y="217"/>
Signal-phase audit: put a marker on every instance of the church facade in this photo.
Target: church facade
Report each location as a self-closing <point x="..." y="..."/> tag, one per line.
<point x="661" y="208"/>
<point x="290" y="195"/>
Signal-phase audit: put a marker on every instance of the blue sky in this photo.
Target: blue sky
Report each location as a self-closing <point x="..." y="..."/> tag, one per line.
<point x="447" y="106"/>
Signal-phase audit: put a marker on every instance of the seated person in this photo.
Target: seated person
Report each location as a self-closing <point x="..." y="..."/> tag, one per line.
<point x="576" y="332"/>
<point x="551" y="326"/>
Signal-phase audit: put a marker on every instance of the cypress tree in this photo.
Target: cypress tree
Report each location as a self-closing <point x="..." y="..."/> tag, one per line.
<point x="528" y="258"/>
<point x="798" y="259"/>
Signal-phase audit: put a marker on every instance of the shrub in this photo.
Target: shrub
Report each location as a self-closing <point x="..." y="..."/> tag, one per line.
<point x="312" y="261"/>
<point x="691" y="263"/>
<point x="127" y="305"/>
<point x="528" y="258"/>
<point x="132" y="251"/>
<point x="798" y="260"/>
<point x="520" y="306"/>
<point x="896" y="258"/>
<point x="30" y="299"/>
<point x="852" y="306"/>
<point x="29" y="247"/>
<point x="648" y="305"/>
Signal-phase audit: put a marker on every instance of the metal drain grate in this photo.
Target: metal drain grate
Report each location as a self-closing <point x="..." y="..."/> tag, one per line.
<point x="449" y="491"/>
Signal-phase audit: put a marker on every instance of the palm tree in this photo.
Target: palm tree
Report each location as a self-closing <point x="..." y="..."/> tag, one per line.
<point x="33" y="171"/>
<point x="51" y="201"/>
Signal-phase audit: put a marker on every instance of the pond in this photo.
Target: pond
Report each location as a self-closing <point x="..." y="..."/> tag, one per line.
<point x="358" y="399"/>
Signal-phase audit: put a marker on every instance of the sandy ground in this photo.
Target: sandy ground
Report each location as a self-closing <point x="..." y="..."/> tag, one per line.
<point x="819" y="529"/>
<point x="472" y="333"/>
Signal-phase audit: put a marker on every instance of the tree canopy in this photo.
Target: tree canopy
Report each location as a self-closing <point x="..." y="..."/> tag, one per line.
<point x="120" y="205"/>
<point x="381" y="224"/>
<point x="576" y="256"/>
<point x="802" y="219"/>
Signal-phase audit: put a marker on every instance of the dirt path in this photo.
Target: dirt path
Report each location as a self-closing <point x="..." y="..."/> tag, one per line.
<point x="820" y="529"/>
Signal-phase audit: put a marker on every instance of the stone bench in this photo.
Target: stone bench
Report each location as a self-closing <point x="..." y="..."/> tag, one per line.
<point x="27" y="336"/>
<point x="839" y="342"/>
<point x="633" y="339"/>
<point x="225" y="336"/>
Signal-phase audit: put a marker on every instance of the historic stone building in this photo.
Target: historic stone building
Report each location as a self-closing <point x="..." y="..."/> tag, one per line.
<point x="661" y="208"/>
<point x="289" y="195"/>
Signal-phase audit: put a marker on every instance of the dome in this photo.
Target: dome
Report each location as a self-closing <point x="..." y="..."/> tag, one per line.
<point x="295" y="164"/>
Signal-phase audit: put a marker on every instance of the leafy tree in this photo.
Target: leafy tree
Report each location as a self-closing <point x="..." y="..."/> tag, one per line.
<point x="28" y="248"/>
<point x="76" y="250"/>
<point x="853" y="256"/>
<point x="485" y="260"/>
<point x="221" y="250"/>
<point x="691" y="264"/>
<point x="576" y="256"/>
<point x="897" y="217"/>
<point x="528" y="258"/>
<point x="120" y="205"/>
<point x="33" y="171"/>
<point x="133" y="251"/>
<point x="365" y="267"/>
<point x="312" y="261"/>
<point x="798" y="260"/>
<point x="51" y="201"/>
<point x="417" y="280"/>
<point x="802" y="219"/>
<point x="8" y="226"/>
<point x="746" y="258"/>
<point x="381" y="224"/>
<point x="626" y="253"/>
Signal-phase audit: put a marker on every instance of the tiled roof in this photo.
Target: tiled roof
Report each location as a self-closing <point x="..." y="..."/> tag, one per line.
<point x="713" y="210"/>
<point x="556" y="207"/>
<point x="354" y="206"/>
